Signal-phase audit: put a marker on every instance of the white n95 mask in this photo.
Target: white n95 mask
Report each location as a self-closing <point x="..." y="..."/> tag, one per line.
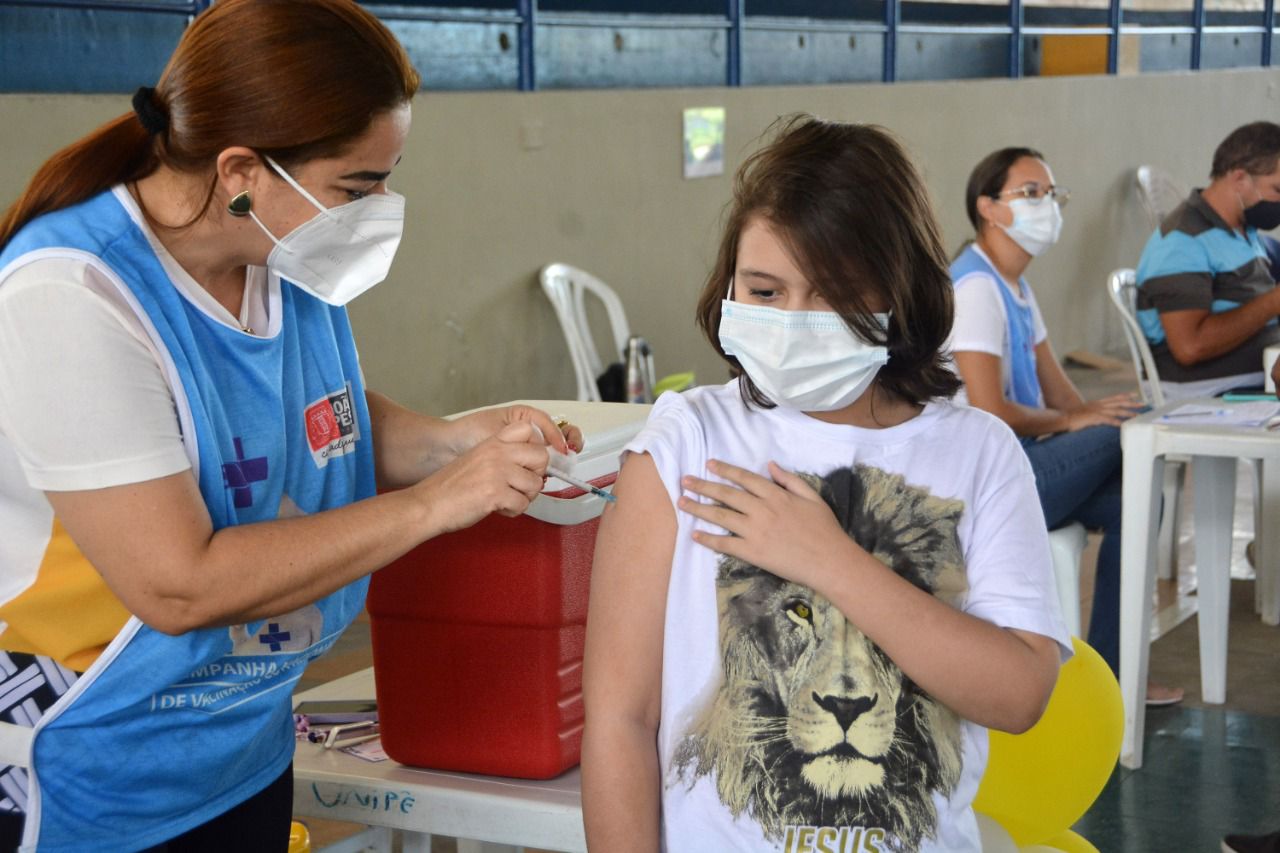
<point x="804" y="360"/>
<point x="341" y="251"/>
<point x="1036" y="226"/>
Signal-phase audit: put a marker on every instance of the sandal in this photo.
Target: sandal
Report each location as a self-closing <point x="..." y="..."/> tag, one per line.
<point x="1159" y="696"/>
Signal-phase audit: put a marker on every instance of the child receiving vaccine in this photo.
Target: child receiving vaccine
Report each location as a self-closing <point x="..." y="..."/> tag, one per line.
<point x="822" y="582"/>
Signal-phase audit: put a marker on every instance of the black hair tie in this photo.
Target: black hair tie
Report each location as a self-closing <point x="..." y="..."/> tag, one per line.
<point x="153" y="118"/>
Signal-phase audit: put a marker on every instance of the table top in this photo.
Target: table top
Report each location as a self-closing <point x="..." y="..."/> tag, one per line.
<point x="1203" y="439"/>
<point x="332" y="784"/>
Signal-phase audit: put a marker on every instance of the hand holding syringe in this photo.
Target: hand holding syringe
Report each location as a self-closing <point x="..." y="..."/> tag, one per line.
<point x="559" y="463"/>
<point x="556" y="464"/>
<point x="581" y="484"/>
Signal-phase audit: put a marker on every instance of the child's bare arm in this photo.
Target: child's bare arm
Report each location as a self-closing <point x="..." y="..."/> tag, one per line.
<point x="622" y="680"/>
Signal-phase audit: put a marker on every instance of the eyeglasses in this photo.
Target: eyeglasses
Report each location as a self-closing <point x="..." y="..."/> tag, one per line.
<point x="1035" y="193"/>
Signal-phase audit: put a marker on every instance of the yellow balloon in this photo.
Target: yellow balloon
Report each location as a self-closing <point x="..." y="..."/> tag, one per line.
<point x="1037" y="784"/>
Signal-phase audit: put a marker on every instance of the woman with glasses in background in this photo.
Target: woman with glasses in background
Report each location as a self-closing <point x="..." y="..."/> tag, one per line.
<point x="1003" y="355"/>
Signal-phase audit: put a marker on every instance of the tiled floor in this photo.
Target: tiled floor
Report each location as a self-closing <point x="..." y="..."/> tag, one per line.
<point x="1209" y="770"/>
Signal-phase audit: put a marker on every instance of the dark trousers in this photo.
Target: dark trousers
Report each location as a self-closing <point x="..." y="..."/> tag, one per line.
<point x="1078" y="479"/>
<point x="258" y="825"/>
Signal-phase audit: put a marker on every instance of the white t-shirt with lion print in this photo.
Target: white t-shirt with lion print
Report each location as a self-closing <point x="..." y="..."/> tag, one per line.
<point x="783" y="728"/>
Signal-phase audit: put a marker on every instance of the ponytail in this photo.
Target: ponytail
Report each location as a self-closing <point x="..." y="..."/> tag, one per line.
<point x="293" y="79"/>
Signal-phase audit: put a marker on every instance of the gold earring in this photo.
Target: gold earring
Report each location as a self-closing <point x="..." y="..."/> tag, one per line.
<point x="241" y="204"/>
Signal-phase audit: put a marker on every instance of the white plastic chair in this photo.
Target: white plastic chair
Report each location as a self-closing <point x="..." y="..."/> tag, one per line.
<point x="567" y="288"/>
<point x="1122" y="287"/>
<point x="1158" y="192"/>
<point x="1066" y="544"/>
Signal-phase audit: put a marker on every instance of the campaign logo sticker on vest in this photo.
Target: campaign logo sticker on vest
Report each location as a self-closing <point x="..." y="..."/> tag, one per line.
<point x="262" y="655"/>
<point x="331" y="426"/>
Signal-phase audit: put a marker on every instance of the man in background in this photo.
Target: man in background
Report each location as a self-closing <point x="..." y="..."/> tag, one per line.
<point x="1207" y="298"/>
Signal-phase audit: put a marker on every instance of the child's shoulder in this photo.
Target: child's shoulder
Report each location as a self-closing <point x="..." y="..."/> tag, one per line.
<point x="703" y="402"/>
<point x="700" y="414"/>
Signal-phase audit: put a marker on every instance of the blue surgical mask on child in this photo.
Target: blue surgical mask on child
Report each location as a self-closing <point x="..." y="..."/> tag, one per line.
<point x="804" y="360"/>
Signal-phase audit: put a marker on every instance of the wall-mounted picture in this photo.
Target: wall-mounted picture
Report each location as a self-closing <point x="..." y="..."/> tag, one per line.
<point x="703" y="142"/>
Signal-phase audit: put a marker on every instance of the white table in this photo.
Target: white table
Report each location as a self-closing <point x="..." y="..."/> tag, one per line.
<point x="1214" y="451"/>
<point x="486" y="813"/>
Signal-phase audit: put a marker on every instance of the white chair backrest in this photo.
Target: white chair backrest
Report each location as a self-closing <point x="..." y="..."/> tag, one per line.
<point x="566" y="287"/>
<point x="1122" y="286"/>
<point x="1159" y="193"/>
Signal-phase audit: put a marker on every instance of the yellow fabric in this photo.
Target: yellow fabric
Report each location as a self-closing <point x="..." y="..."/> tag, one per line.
<point x="68" y="614"/>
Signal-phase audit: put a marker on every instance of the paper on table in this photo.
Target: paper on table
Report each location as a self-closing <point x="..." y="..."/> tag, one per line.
<point x="1232" y="414"/>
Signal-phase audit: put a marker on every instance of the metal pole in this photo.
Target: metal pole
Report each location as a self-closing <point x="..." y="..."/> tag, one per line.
<point x="1114" y="16"/>
<point x="892" y="17"/>
<point x="1268" y="25"/>
<point x="1015" y="38"/>
<point x="528" y="12"/>
<point x="1197" y="21"/>
<point x="733" y="53"/>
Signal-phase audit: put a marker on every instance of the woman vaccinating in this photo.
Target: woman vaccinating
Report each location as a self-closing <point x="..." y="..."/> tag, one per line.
<point x="189" y="459"/>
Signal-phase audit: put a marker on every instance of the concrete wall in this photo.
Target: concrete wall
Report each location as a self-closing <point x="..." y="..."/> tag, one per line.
<point x="501" y="183"/>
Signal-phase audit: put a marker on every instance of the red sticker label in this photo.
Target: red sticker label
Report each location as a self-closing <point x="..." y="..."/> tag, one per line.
<point x="322" y="426"/>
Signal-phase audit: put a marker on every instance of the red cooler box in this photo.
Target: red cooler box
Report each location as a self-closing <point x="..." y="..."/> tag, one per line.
<point x="478" y="635"/>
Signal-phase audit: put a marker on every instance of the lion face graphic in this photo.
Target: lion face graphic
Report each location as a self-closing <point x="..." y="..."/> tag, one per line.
<point x="813" y="725"/>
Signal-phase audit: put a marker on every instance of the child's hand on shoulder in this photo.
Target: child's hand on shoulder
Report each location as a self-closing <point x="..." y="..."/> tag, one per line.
<point x="781" y="525"/>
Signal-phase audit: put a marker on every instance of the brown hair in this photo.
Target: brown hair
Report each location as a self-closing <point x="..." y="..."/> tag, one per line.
<point x="293" y="79"/>
<point x="988" y="177"/>
<point x="1254" y="147"/>
<point x="858" y="222"/>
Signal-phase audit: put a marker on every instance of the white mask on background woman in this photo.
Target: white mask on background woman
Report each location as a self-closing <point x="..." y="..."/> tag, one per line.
<point x="341" y="251"/>
<point x="804" y="360"/>
<point x="1036" y="224"/>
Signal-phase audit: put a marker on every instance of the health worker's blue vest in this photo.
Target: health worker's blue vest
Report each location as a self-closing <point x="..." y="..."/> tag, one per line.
<point x="164" y="733"/>
<point x="1024" y="384"/>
